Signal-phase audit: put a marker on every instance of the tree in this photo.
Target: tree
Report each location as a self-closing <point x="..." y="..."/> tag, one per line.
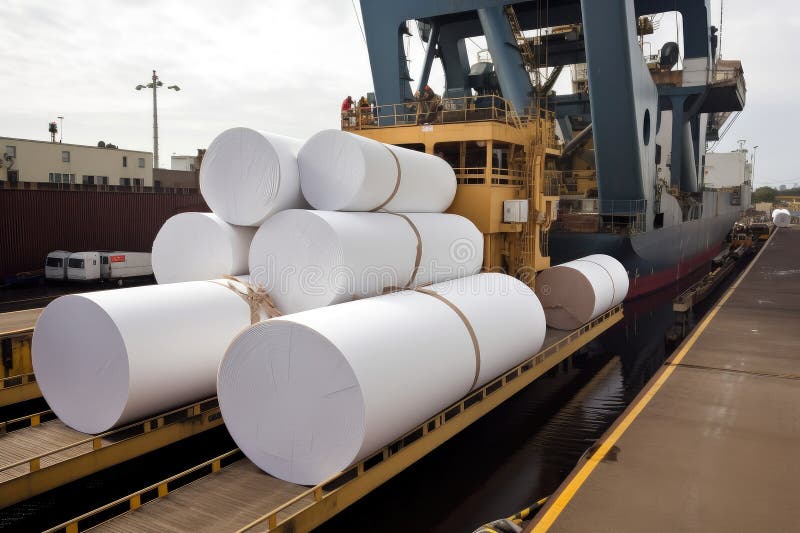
<point x="764" y="194"/>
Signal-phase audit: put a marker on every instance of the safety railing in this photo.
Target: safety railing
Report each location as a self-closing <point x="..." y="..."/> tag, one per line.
<point x="437" y="111"/>
<point x="498" y="176"/>
<point x="23" y="422"/>
<point x="601" y="216"/>
<point x="209" y="406"/>
<point x="152" y="492"/>
<point x="324" y="490"/>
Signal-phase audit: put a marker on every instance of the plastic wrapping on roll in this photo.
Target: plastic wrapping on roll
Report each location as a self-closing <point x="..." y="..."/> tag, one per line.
<point x="306" y="395"/>
<point x="578" y="291"/>
<point x="200" y="246"/>
<point x="107" y="358"/>
<point x="309" y="259"/>
<point x="246" y="176"/>
<point x="340" y="171"/>
<point x="781" y="218"/>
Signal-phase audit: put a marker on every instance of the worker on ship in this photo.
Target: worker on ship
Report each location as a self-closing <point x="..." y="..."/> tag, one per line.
<point x="364" y="111"/>
<point x="429" y="105"/>
<point x="347" y="111"/>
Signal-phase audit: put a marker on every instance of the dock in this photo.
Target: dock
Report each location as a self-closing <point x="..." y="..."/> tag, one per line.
<point x="709" y="444"/>
<point x="233" y="494"/>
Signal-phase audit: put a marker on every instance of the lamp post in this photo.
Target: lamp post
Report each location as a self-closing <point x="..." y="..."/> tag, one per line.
<point x="753" y="170"/>
<point x="155" y="84"/>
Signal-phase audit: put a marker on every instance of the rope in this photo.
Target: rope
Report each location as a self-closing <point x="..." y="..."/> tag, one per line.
<point x="257" y="298"/>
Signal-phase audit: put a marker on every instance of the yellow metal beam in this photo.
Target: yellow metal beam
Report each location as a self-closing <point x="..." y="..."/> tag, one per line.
<point x="27" y="389"/>
<point x="41" y="479"/>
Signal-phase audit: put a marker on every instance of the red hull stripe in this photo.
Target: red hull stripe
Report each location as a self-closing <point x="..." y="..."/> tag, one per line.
<point x="645" y="284"/>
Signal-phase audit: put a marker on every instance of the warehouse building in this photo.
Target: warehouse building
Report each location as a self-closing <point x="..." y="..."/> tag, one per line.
<point x="30" y="161"/>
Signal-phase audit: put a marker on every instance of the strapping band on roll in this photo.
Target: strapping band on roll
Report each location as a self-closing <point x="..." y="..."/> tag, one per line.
<point x="471" y="331"/>
<point x="613" y="286"/>
<point x="257" y="298"/>
<point x="396" y="183"/>
<point x="418" y="259"/>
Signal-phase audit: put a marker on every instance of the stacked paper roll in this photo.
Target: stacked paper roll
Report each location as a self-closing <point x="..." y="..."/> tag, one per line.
<point x="246" y="176"/>
<point x="782" y="218"/>
<point x="576" y="292"/>
<point x="306" y="395"/>
<point x="106" y="358"/>
<point x="340" y="171"/>
<point x="309" y="259"/>
<point x="200" y="246"/>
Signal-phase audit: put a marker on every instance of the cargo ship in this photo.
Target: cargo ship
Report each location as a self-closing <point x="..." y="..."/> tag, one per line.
<point x="616" y="167"/>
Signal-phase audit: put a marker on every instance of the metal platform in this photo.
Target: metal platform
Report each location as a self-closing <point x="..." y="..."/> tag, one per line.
<point x="18" y="322"/>
<point x="17" y="382"/>
<point x="39" y="453"/>
<point x="709" y="444"/>
<point x="240" y="496"/>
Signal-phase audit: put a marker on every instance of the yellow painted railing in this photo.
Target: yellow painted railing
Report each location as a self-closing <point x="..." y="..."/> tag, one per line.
<point x="122" y="433"/>
<point x="157" y="490"/>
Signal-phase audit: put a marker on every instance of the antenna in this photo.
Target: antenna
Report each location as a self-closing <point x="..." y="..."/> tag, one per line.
<point x="60" y="128"/>
<point x="721" y="4"/>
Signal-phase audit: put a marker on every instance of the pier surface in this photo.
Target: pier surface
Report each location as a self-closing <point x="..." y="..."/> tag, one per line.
<point x="709" y="444"/>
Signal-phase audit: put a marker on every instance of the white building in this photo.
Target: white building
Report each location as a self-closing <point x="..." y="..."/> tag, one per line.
<point x="183" y="162"/>
<point x="27" y="160"/>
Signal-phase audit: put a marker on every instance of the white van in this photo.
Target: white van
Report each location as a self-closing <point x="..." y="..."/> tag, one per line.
<point x="84" y="266"/>
<point x="55" y="266"/>
<point x="129" y="265"/>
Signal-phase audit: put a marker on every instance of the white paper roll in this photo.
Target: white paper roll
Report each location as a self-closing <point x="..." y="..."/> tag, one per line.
<point x="246" y="176"/>
<point x="107" y="358"/>
<point x="782" y="218"/>
<point x="342" y="171"/>
<point x="306" y="395"/>
<point x="200" y="246"/>
<point x="576" y="292"/>
<point x="309" y="259"/>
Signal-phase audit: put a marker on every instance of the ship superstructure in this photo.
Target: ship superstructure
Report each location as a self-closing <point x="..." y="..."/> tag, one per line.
<point x="585" y="165"/>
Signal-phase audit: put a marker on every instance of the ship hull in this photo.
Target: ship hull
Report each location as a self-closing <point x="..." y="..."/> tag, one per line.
<point x="656" y="258"/>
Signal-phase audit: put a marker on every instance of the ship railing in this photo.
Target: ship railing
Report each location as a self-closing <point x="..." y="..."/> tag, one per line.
<point x="572" y="182"/>
<point x="595" y="215"/>
<point x="493" y="175"/>
<point x="442" y="111"/>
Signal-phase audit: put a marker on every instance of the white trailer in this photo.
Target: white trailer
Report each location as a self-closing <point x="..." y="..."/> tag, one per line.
<point x="55" y="266"/>
<point x="123" y="265"/>
<point x="84" y="266"/>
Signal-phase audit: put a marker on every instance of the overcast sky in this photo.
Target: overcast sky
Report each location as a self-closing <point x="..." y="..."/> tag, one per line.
<point x="285" y="67"/>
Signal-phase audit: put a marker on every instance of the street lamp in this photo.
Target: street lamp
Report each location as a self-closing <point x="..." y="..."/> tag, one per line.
<point x="753" y="170"/>
<point x="155" y="84"/>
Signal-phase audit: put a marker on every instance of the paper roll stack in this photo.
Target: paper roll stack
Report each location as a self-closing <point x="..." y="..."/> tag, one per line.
<point x="306" y="395"/>
<point x="576" y="292"/>
<point x="106" y="358"/>
<point x="247" y="176"/>
<point x="340" y="171"/>
<point x="309" y="259"/>
<point x="781" y="218"/>
<point x="200" y="246"/>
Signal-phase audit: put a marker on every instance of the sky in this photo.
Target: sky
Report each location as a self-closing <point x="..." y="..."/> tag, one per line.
<point x="286" y="66"/>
